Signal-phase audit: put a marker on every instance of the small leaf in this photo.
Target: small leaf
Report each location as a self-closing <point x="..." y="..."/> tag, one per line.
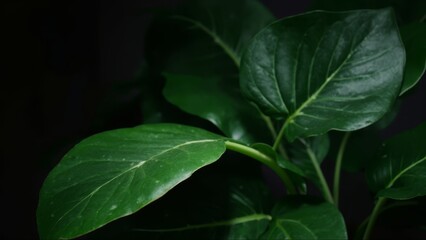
<point x="325" y="70"/>
<point x="114" y="174"/>
<point x="400" y="166"/>
<point x="414" y="38"/>
<point x="298" y="218"/>
<point x="220" y="102"/>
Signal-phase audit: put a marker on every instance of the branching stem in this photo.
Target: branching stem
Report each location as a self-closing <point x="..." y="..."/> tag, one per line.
<point x="255" y="154"/>
<point x="279" y="137"/>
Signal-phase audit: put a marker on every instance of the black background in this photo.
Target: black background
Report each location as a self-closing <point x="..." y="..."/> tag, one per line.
<point x="60" y="62"/>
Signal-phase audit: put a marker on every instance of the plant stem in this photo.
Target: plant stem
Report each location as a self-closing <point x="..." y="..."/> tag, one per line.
<point x="255" y="154"/>
<point x="338" y="168"/>
<point x="279" y="137"/>
<point x="324" y="186"/>
<point x="234" y="221"/>
<point x="373" y="217"/>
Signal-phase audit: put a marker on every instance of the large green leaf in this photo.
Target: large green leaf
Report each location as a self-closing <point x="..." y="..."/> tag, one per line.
<point x="202" y="59"/>
<point x="116" y="173"/>
<point x="219" y="102"/>
<point x="399" y="171"/>
<point x="230" y="28"/>
<point x="300" y="219"/>
<point x="414" y="38"/>
<point x="325" y="70"/>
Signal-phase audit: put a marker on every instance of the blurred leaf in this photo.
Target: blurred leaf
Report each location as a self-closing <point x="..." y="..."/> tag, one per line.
<point x="114" y="174"/>
<point x="202" y="60"/>
<point x="351" y="83"/>
<point x="414" y="38"/>
<point x="398" y="171"/>
<point x="219" y="101"/>
<point x="300" y="218"/>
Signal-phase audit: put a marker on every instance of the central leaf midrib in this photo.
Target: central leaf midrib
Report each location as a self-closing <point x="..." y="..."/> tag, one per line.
<point x="399" y="175"/>
<point x="279" y="221"/>
<point x="314" y="96"/>
<point x="128" y="170"/>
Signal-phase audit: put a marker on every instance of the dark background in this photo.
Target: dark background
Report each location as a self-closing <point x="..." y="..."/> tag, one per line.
<point x="61" y="61"/>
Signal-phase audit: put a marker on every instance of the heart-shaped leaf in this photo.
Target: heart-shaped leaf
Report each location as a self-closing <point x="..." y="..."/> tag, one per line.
<point x="298" y="218"/>
<point x="414" y="38"/>
<point x="218" y="101"/>
<point x="202" y="60"/>
<point x="114" y="174"/>
<point x="400" y="167"/>
<point x="325" y="70"/>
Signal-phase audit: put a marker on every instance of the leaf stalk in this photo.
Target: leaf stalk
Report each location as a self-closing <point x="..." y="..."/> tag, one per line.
<point x="373" y="217"/>
<point x="338" y="168"/>
<point x="324" y="186"/>
<point x="268" y="161"/>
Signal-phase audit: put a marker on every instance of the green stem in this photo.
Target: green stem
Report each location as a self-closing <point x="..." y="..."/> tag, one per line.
<point x="234" y="221"/>
<point x="324" y="186"/>
<point x="373" y="217"/>
<point x="383" y="209"/>
<point x="279" y="137"/>
<point x="255" y="154"/>
<point x="338" y="168"/>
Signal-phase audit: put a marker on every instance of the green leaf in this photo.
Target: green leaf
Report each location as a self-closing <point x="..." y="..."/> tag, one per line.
<point x="247" y="203"/>
<point x="400" y="166"/>
<point x="325" y="70"/>
<point x="297" y="218"/>
<point x="114" y="174"/>
<point x="218" y="101"/>
<point x="414" y="38"/>
<point x="249" y="198"/>
<point x="230" y="28"/>
<point x="299" y="155"/>
<point x="211" y="41"/>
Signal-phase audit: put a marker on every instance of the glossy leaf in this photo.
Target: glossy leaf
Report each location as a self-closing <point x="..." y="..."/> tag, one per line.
<point x="113" y="174"/>
<point x="298" y="152"/>
<point x="218" y="101"/>
<point x="325" y="70"/>
<point x="414" y="38"/>
<point x="297" y="218"/>
<point x="399" y="170"/>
